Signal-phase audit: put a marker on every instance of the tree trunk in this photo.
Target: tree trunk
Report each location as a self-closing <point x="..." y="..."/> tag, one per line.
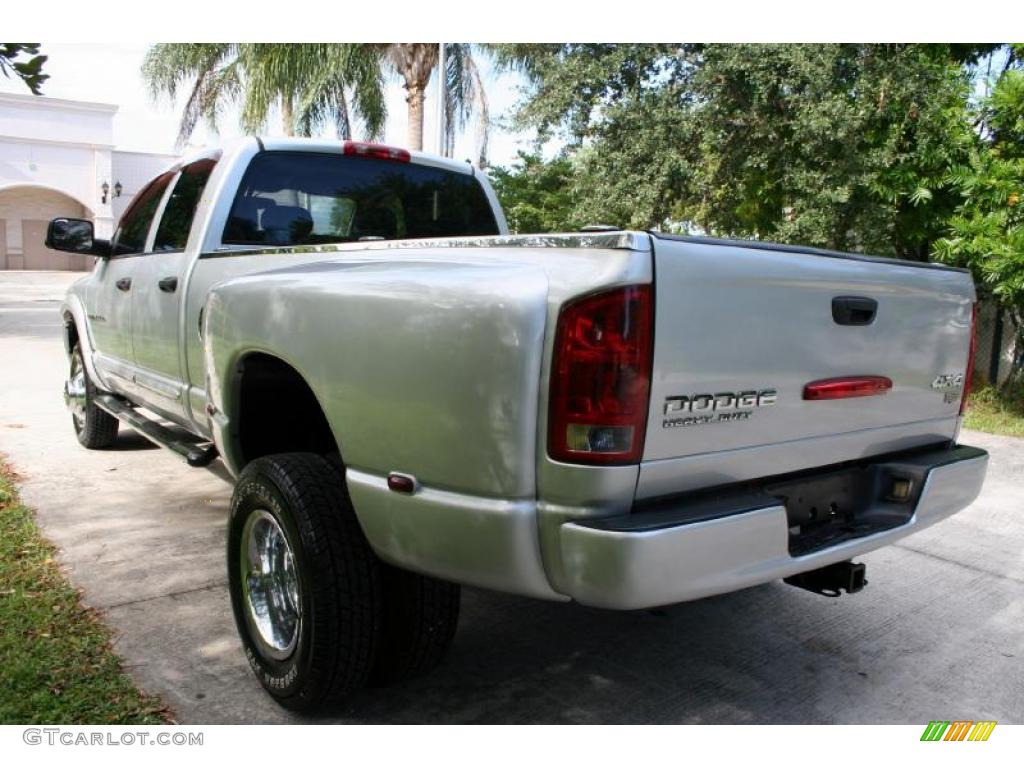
<point x="415" y="98"/>
<point x="287" y="115"/>
<point x="344" y="121"/>
<point x="414" y="63"/>
<point x="1015" y="378"/>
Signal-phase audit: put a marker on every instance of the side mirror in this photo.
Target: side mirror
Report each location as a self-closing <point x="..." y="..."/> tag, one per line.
<point x="75" y="236"/>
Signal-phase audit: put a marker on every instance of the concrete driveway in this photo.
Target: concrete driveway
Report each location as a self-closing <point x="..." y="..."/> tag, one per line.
<point x="938" y="634"/>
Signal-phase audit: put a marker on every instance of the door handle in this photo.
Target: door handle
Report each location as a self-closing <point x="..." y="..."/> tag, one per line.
<point x="124" y="284"/>
<point x="854" y="310"/>
<point x="168" y="284"/>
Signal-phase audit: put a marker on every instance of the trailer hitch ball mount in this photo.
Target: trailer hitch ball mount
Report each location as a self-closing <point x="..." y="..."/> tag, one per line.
<point x="832" y="580"/>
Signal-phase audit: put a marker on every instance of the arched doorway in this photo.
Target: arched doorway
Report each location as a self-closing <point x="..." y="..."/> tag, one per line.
<point x="25" y="211"/>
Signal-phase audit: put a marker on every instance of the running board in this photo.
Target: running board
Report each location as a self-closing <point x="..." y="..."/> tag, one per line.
<point x="196" y="453"/>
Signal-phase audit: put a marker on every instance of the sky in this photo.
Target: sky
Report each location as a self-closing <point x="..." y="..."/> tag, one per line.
<point x="110" y="73"/>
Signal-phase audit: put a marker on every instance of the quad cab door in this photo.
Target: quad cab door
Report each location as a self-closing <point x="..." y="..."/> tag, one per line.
<point x="158" y="296"/>
<point x="110" y="313"/>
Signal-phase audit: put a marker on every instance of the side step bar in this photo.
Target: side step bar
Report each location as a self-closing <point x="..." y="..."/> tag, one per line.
<point x="195" y="452"/>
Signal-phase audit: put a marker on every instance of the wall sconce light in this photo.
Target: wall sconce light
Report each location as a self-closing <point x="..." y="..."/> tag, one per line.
<point x="117" y="188"/>
<point x="105" y="189"/>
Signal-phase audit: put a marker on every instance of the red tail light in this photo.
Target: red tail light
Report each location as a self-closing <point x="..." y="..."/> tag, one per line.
<point x="847" y="386"/>
<point x="601" y="377"/>
<point x="969" y="373"/>
<point x="379" y="151"/>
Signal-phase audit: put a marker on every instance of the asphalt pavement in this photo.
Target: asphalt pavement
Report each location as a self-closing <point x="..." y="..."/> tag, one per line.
<point x="937" y="635"/>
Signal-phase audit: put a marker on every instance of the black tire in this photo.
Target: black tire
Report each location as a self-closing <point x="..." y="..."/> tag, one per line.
<point x="338" y="580"/>
<point x="95" y="428"/>
<point x="421" y="615"/>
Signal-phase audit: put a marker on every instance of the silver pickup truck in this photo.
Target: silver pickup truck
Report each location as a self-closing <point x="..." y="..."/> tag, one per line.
<point x="410" y="399"/>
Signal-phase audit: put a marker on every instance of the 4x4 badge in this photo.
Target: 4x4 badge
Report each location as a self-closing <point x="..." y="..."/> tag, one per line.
<point x="948" y="381"/>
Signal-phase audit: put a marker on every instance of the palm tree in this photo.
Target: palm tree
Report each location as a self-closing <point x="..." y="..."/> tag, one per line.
<point x="313" y="84"/>
<point x="464" y="94"/>
<point x="414" y="63"/>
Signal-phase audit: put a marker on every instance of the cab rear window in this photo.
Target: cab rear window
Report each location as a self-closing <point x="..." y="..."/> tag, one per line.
<point x="305" y="198"/>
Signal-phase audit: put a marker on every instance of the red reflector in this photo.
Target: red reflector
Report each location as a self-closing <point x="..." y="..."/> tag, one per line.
<point x="969" y="373"/>
<point x="379" y="151"/>
<point x="847" y="386"/>
<point x="601" y="377"/>
<point x="400" y="483"/>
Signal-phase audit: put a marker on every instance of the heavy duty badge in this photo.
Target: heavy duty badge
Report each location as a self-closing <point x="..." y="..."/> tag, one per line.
<point x="691" y="410"/>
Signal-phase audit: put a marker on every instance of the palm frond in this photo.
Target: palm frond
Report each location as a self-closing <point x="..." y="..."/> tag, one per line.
<point x="483" y="129"/>
<point x="366" y="80"/>
<point x="317" y="86"/>
<point x="206" y="69"/>
<point x="464" y="96"/>
<point x="458" y="93"/>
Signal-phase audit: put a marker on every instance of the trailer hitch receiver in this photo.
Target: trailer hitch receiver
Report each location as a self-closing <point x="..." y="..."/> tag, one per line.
<point x="832" y="579"/>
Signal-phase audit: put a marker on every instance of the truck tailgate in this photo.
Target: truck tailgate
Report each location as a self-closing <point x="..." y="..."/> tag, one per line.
<point x="732" y="320"/>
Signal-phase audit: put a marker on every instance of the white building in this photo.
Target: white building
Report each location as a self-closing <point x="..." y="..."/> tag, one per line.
<point x="57" y="158"/>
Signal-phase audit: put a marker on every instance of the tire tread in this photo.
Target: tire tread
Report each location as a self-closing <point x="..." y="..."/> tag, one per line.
<point x="99" y="428"/>
<point x="344" y="575"/>
<point x="421" y="615"/>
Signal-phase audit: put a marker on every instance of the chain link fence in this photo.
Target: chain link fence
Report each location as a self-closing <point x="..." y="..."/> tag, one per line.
<point x="996" y="348"/>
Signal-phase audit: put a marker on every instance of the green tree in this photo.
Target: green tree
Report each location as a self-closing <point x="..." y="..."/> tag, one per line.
<point x="986" y="233"/>
<point x="30" y="70"/>
<point x="625" y="112"/>
<point x="313" y="84"/>
<point x="537" y="196"/>
<point x="571" y="84"/>
<point x="642" y="178"/>
<point x="843" y="146"/>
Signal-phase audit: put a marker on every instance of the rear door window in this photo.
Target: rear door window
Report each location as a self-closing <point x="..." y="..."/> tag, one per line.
<point x="172" y="234"/>
<point x="133" y="229"/>
<point x="305" y="198"/>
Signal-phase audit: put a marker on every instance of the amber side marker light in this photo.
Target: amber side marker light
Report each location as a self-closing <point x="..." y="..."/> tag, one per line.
<point x="847" y="386"/>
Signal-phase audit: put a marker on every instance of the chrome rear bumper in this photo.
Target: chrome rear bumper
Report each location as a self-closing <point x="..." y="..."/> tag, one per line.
<point x="631" y="562"/>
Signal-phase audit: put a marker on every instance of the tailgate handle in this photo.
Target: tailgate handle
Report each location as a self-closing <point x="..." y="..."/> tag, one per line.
<point x="854" y="310"/>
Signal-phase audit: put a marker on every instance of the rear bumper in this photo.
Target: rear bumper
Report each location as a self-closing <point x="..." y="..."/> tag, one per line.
<point x="640" y="561"/>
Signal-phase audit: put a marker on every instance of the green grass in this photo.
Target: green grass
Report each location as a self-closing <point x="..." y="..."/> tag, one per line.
<point x="56" y="664"/>
<point x="1000" y="412"/>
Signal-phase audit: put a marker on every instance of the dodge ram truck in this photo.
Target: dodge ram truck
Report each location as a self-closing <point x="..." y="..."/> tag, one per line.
<point x="410" y="399"/>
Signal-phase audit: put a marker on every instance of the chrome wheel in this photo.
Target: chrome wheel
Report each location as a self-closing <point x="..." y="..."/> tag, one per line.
<point x="74" y="390"/>
<point x="270" y="584"/>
